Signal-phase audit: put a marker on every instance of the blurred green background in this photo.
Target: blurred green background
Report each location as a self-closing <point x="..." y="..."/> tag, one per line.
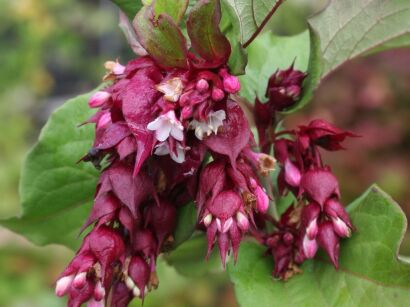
<point x="51" y="50"/>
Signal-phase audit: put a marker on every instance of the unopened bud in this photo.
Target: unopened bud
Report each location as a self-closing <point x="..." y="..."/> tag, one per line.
<point x="99" y="99"/>
<point x="341" y="228"/>
<point x="202" y="85"/>
<point x="243" y="221"/>
<point x="99" y="291"/>
<point x="217" y="94"/>
<point x="309" y="247"/>
<point x="63" y="284"/>
<point x="80" y="280"/>
<point x="104" y="120"/>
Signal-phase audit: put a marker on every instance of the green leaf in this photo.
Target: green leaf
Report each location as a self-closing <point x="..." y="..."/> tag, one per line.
<point x="189" y="258"/>
<point x="269" y="53"/>
<point x="161" y="38"/>
<point x="186" y="223"/>
<point x="203" y="30"/>
<point x="129" y="7"/>
<point x="55" y="191"/>
<point x="174" y="8"/>
<point x="250" y="16"/>
<point x="370" y="272"/>
<point x="351" y="28"/>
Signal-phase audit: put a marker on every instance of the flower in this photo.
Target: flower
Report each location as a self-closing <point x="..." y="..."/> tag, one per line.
<point x="214" y="121"/>
<point x="171" y="89"/>
<point x="166" y="125"/>
<point x="178" y="155"/>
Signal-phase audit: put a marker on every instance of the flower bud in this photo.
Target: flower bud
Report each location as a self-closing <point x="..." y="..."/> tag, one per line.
<point x="341" y="228"/>
<point x="80" y="280"/>
<point x="63" y="284"/>
<point x="243" y="222"/>
<point x="217" y="94"/>
<point x="309" y="247"/>
<point x="104" y="120"/>
<point x="292" y="174"/>
<point x="99" y="99"/>
<point x="99" y="291"/>
<point x="231" y="83"/>
<point x="202" y="85"/>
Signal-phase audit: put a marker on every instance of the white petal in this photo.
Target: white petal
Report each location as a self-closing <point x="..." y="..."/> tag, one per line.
<point x="162" y="133"/>
<point x="181" y="155"/>
<point x="162" y="149"/>
<point x="177" y="133"/>
<point x="155" y="124"/>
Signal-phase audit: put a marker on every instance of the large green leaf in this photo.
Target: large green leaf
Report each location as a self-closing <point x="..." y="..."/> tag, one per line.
<point x="268" y="53"/>
<point x="370" y="272"/>
<point x="249" y="16"/>
<point x="129" y="7"/>
<point x="55" y="191"/>
<point x="351" y="28"/>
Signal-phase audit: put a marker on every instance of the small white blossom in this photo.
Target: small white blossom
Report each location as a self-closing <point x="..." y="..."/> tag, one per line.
<point x="212" y="124"/>
<point x="171" y="89"/>
<point x="163" y="149"/>
<point x="166" y="125"/>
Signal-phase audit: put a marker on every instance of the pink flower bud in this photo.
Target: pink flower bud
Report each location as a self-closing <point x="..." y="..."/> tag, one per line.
<point x="231" y="83"/>
<point x="309" y="247"/>
<point x="95" y="303"/>
<point x="63" y="284"/>
<point x="104" y="120"/>
<point x="312" y="229"/>
<point x="292" y="174"/>
<point x="202" y="85"/>
<point x="341" y="228"/>
<point x="243" y="221"/>
<point x="217" y="94"/>
<point x="99" y="99"/>
<point x="80" y="280"/>
<point x="262" y="199"/>
<point x="99" y="291"/>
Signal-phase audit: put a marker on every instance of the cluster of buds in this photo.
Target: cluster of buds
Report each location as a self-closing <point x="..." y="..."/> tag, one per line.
<point x="154" y="126"/>
<point x="284" y="90"/>
<point x="319" y="219"/>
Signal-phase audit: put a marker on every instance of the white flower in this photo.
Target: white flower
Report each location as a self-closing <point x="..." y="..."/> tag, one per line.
<point x="166" y="125"/>
<point x="212" y="124"/>
<point x="163" y="149"/>
<point x="171" y="89"/>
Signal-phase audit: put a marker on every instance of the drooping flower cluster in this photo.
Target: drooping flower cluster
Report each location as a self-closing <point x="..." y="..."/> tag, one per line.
<point x="319" y="218"/>
<point x="154" y="126"/>
<point x="169" y="132"/>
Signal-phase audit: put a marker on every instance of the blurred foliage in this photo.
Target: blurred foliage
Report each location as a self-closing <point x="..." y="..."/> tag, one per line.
<point x="53" y="49"/>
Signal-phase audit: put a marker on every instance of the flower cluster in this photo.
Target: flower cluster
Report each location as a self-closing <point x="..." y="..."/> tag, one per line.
<point x="169" y="132"/>
<point x="154" y="127"/>
<point x="319" y="219"/>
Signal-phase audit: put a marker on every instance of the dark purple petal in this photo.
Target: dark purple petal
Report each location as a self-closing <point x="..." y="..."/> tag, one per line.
<point x="329" y="241"/>
<point x="233" y="136"/>
<point x="319" y="185"/>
